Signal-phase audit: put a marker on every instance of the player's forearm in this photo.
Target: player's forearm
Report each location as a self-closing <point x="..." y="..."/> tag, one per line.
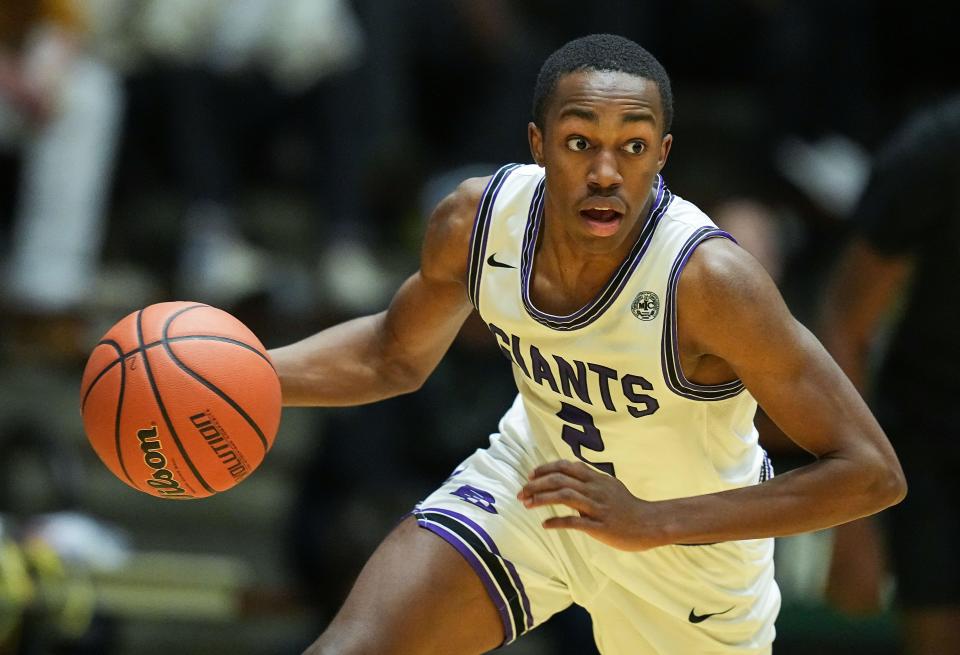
<point x="347" y="364"/>
<point x="823" y="494"/>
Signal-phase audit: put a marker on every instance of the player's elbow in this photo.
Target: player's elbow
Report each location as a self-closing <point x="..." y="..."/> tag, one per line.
<point x="403" y="378"/>
<point x="888" y="484"/>
<point x="898" y="486"/>
<point x="413" y="383"/>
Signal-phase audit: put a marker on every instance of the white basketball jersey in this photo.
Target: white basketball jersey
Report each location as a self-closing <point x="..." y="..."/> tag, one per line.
<point x="604" y="384"/>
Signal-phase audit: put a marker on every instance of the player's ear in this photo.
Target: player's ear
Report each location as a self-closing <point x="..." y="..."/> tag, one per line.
<point x="665" y="144"/>
<point x="535" y="137"/>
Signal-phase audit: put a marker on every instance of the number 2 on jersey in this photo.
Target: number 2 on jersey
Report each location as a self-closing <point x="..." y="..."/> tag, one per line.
<point x="584" y="435"/>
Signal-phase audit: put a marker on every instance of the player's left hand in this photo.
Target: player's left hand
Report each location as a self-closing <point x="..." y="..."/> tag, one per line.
<point x="607" y="511"/>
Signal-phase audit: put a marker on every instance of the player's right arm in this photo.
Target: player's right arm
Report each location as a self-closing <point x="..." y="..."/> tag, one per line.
<point x="393" y="352"/>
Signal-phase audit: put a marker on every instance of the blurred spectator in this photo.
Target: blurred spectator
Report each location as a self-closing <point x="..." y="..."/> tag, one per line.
<point x="821" y="142"/>
<point x="757" y="229"/>
<point x="60" y="108"/>
<point x="232" y="72"/>
<point x="904" y="256"/>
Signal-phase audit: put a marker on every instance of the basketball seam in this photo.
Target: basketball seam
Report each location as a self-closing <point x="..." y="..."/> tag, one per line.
<point x="116" y="425"/>
<point x="154" y="344"/>
<point x="106" y="369"/>
<point x="209" y="385"/>
<point x="163" y="409"/>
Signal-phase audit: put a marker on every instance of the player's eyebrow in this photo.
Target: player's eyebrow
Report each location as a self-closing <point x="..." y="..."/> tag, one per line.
<point x="639" y="117"/>
<point x="591" y="116"/>
<point x="581" y="113"/>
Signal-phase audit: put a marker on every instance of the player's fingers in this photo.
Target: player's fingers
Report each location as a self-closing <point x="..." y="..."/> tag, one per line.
<point x="577" y="470"/>
<point x="583" y="523"/>
<point x="565" y="496"/>
<point x="551" y="482"/>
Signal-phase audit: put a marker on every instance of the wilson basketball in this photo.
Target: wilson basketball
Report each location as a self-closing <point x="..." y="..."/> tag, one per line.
<point x="180" y="400"/>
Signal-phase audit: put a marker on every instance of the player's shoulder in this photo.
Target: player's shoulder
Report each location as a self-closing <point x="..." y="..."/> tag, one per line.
<point x="453" y="216"/>
<point x="724" y="296"/>
<point x="452" y="223"/>
<point x="716" y="257"/>
<point x="719" y="273"/>
<point x="461" y="204"/>
<point x="446" y="244"/>
<point x="459" y="208"/>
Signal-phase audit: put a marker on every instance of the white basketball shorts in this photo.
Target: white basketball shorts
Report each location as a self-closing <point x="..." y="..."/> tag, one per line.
<point x="673" y="600"/>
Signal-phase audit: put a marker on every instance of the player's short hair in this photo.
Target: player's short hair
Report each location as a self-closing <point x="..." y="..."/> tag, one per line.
<point x="600" y="52"/>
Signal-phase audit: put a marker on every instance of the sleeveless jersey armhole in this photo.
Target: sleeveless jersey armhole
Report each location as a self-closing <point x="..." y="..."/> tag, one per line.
<point x="481" y="228"/>
<point x="670" y="351"/>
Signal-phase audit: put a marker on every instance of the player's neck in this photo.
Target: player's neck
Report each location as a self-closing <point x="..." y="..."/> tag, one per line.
<point x="566" y="274"/>
<point x="561" y="248"/>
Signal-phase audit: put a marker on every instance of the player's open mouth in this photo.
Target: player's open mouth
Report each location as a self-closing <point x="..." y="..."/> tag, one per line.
<point x="601" y="222"/>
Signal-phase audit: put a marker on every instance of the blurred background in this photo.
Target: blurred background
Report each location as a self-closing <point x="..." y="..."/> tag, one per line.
<point x="277" y="159"/>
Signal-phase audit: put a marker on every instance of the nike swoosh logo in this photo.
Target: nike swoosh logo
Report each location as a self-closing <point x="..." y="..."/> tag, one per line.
<point x="700" y="618"/>
<point x="494" y="262"/>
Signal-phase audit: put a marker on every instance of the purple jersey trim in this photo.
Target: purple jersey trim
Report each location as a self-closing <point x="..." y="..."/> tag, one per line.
<point x="480" y="544"/>
<point x="673" y="374"/>
<point x="596" y="307"/>
<point x="488" y="582"/>
<point x="481" y="230"/>
<point x="766" y="468"/>
<point x="511" y="569"/>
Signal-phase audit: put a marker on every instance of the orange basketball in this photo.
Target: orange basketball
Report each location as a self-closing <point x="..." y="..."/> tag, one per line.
<point x="180" y="400"/>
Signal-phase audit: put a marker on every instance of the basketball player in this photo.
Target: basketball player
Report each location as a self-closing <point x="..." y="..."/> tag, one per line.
<point x="626" y="477"/>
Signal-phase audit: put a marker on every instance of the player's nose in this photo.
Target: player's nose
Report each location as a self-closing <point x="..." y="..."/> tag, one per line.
<point x="604" y="171"/>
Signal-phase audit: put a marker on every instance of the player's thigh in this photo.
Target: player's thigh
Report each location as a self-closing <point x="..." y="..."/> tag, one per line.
<point x="415" y="595"/>
<point x="529" y="573"/>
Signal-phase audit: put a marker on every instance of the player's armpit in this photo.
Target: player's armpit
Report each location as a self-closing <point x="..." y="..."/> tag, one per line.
<point x="729" y="309"/>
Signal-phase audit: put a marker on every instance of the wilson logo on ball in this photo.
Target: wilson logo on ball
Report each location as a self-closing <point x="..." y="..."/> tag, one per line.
<point x="162" y="480"/>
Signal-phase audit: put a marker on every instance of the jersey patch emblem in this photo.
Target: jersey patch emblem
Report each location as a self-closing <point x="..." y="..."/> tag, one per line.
<point x="645" y="306"/>
<point x="478" y="497"/>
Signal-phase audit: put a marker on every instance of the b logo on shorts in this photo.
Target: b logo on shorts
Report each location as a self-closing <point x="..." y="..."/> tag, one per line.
<point x="477" y="497"/>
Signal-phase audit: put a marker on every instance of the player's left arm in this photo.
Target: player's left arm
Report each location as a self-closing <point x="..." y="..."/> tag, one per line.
<point x="729" y="308"/>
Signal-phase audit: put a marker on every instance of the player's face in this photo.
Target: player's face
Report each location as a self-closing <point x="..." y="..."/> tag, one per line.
<point x="602" y="146"/>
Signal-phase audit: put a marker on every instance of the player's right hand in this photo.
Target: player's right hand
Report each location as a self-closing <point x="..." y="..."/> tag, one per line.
<point x="607" y="511"/>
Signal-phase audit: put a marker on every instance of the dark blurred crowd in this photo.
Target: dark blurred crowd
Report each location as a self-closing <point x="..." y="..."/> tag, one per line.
<point x="277" y="158"/>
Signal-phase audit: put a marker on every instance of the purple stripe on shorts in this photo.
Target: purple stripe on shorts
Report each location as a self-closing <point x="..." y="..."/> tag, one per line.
<point x="492" y="590"/>
<point x="511" y="569"/>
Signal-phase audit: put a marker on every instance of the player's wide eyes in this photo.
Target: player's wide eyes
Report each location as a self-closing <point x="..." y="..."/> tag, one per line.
<point x="577" y="143"/>
<point x="635" y="147"/>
